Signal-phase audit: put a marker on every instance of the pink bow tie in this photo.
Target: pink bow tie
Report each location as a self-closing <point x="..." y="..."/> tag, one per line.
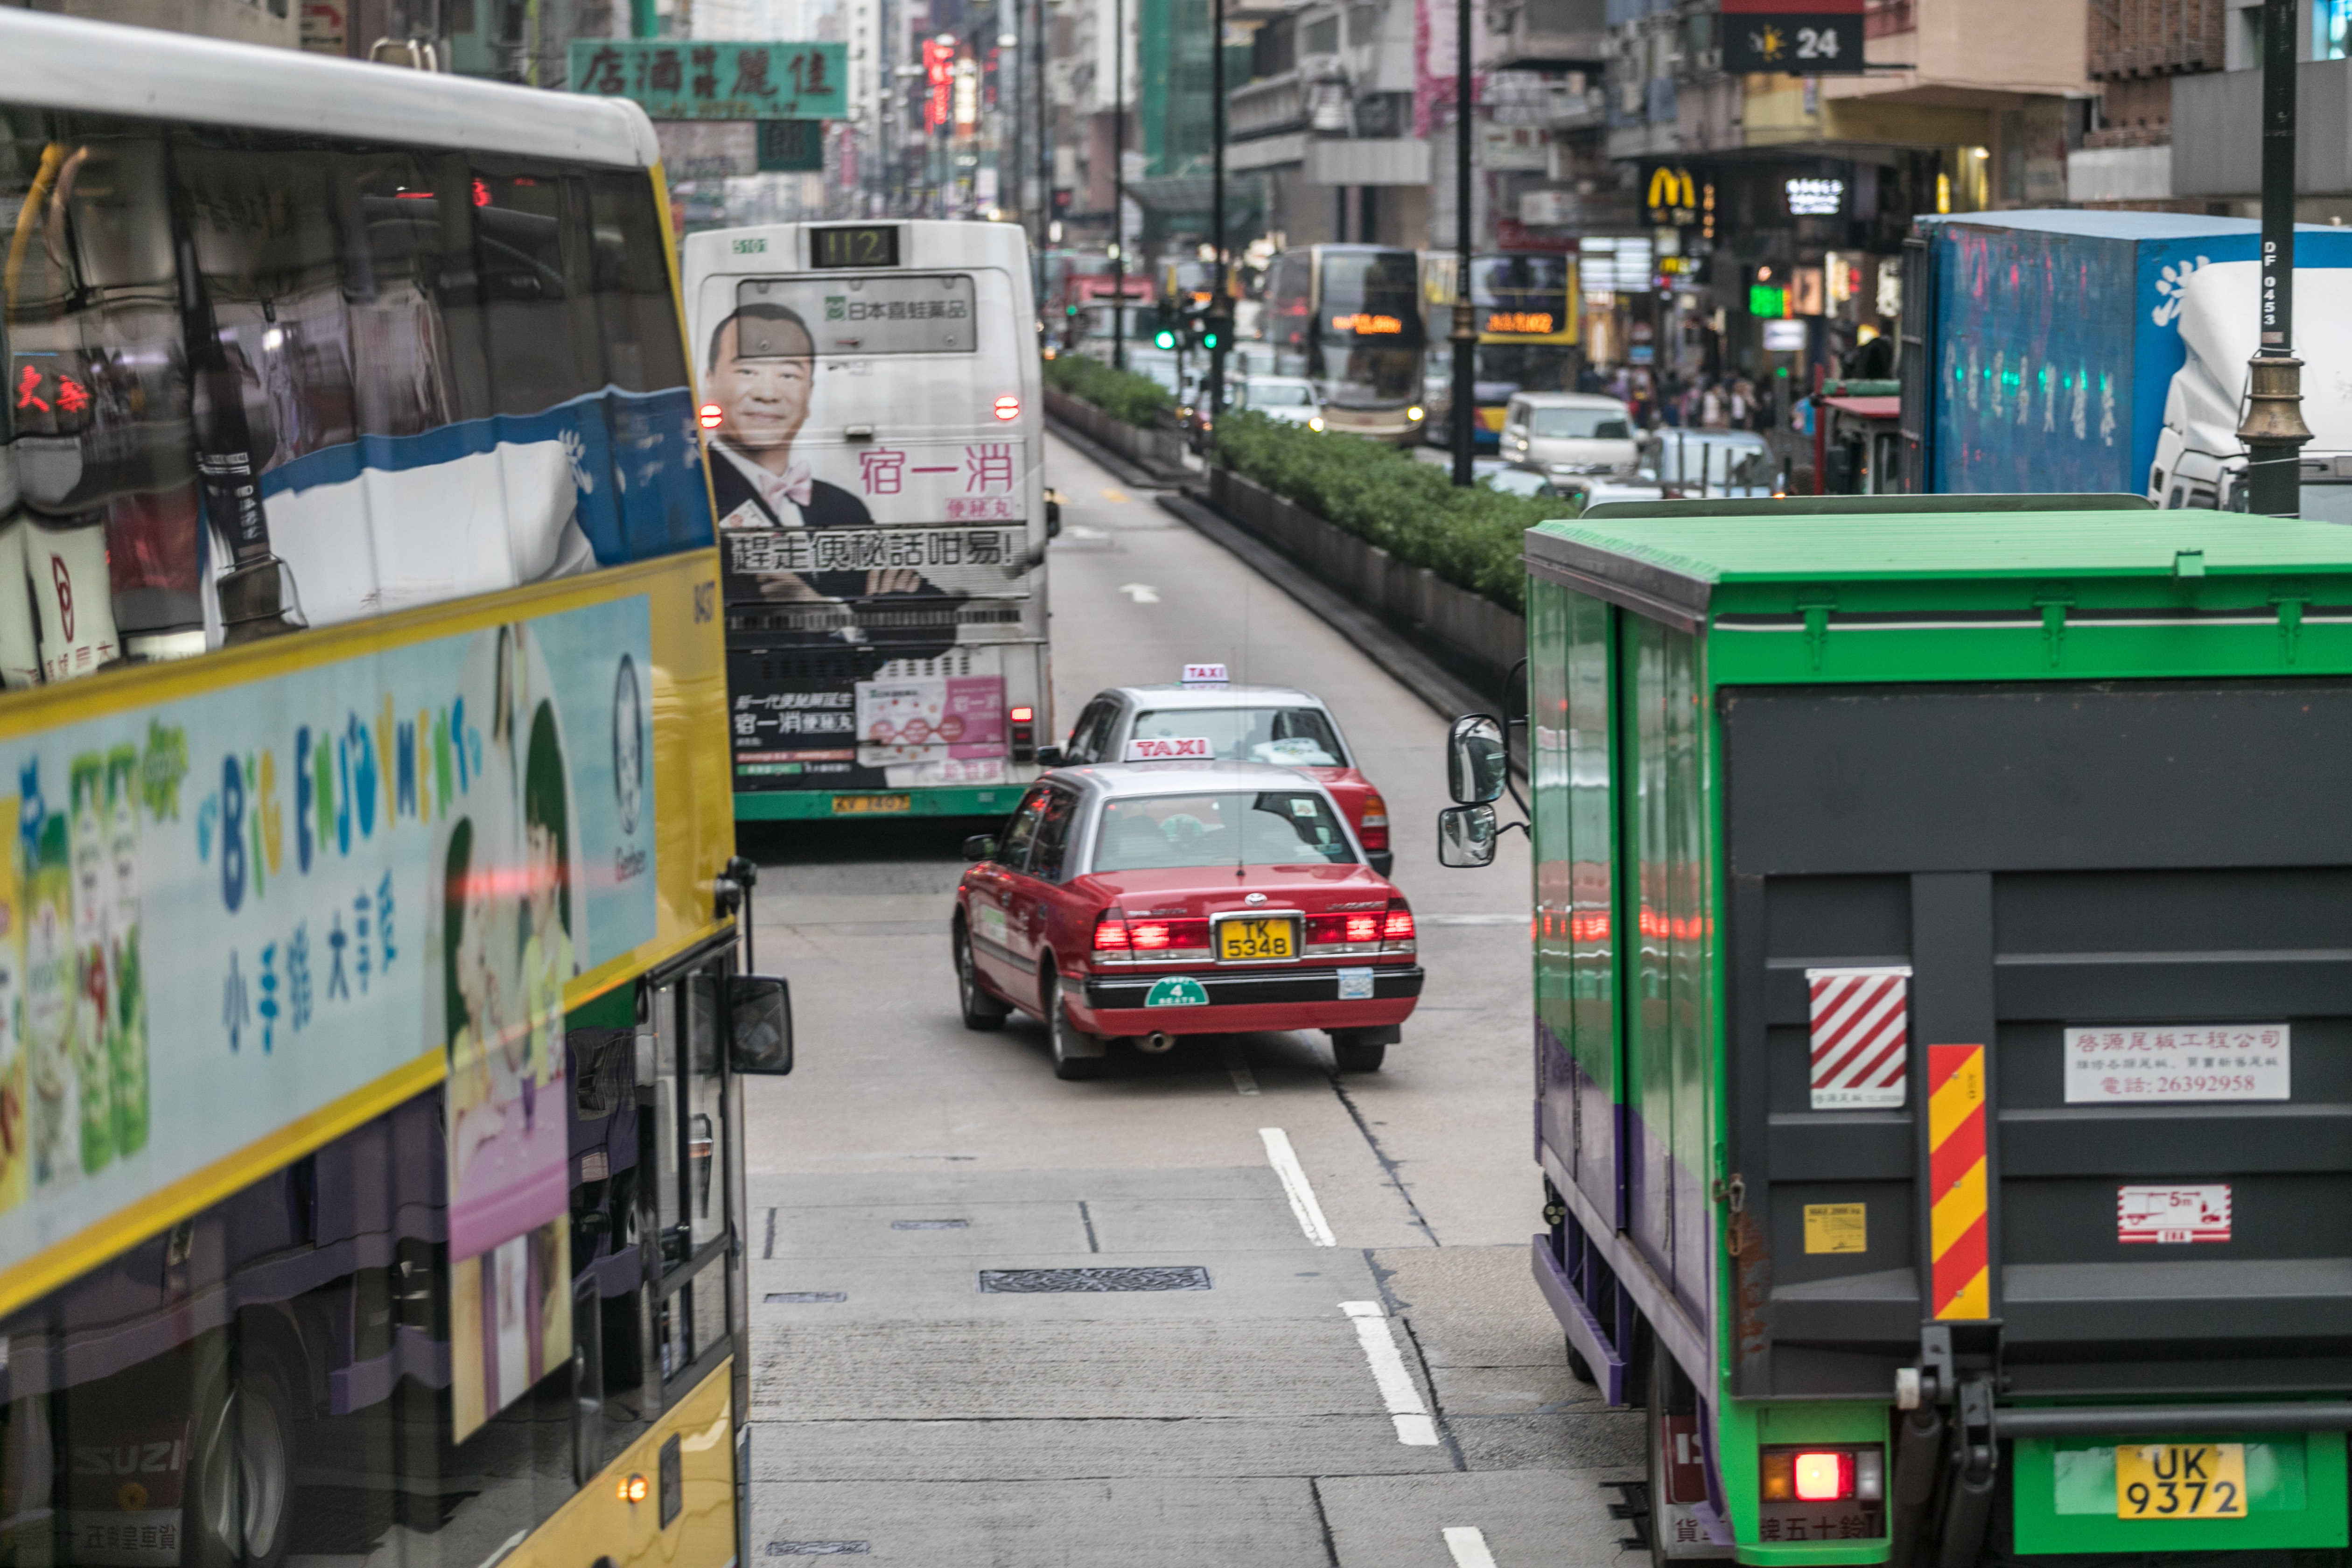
<point x="792" y="485"/>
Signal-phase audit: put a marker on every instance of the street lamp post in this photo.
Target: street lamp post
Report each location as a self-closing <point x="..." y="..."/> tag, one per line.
<point x="1119" y="185"/>
<point x="1463" y="406"/>
<point x="2273" y="429"/>
<point x="1221" y="303"/>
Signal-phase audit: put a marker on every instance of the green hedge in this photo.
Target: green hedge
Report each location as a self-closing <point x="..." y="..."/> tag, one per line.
<point x="1383" y="495"/>
<point x="1134" y="399"/>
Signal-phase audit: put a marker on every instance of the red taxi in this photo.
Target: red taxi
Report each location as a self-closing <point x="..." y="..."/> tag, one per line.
<point x="1149" y="900"/>
<point x="1211" y="718"/>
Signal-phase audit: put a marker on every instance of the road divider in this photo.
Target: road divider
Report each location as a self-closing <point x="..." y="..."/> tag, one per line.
<point x="1292" y="1175"/>
<point x="1414" y="1425"/>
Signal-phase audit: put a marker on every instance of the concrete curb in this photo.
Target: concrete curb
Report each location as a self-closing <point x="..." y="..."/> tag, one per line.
<point x="1115" y="463"/>
<point x="1153" y="451"/>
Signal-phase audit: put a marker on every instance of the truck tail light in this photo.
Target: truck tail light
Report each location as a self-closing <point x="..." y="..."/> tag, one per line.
<point x="1375" y="822"/>
<point x="1824" y="1475"/>
<point x="1111" y="934"/>
<point x="1023" y="722"/>
<point x="1396" y="930"/>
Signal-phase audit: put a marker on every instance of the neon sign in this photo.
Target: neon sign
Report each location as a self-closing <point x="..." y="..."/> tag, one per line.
<point x="1538" y="322"/>
<point x="1364" y="325"/>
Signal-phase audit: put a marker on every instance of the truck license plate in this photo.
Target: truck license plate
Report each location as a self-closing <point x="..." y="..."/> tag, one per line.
<point x="2180" y="1481"/>
<point x="1241" y="941"/>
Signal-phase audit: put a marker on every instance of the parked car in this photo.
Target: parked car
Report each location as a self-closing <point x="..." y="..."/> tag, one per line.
<point x="1146" y="901"/>
<point x="1568" y="433"/>
<point x="1277" y="725"/>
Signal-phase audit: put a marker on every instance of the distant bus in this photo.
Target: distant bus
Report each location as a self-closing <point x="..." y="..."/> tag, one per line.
<point x="873" y="405"/>
<point x="1525" y="306"/>
<point x="1348" y="317"/>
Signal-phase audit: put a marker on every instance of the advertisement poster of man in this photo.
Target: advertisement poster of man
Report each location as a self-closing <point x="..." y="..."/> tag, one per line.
<point x="867" y="514"/>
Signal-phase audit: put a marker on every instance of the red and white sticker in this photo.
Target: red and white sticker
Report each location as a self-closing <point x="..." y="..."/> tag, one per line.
<point x="2171" y="1216"/>
<point x="1171" y="749"/>
<point x="1861" y="1037"/>
<point x="1204" y="675"/>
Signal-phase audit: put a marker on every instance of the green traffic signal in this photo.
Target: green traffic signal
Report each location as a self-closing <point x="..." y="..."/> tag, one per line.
<point x="1166" y="339"/>
<point x="1208" y="339"/>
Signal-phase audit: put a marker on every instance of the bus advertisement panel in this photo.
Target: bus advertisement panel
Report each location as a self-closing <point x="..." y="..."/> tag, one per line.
<point x="875" y="462"/>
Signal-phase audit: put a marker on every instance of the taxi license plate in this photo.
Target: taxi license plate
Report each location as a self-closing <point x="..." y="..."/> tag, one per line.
<point x="1241" y="941"/>
<point x="864" y="805"/>
<point x="2180" y="1481"/>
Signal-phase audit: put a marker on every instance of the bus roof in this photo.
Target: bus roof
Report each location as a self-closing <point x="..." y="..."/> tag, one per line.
<point x="1676" y="564"/>
<point x="67" y="63"/>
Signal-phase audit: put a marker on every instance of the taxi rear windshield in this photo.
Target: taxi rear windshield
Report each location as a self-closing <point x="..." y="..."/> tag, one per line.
<point x="1286" y="737"/>
<point x="1261" y="827"/>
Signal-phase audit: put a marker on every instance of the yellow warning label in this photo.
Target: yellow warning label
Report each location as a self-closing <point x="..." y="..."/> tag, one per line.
<point x="1837" y="1228"/>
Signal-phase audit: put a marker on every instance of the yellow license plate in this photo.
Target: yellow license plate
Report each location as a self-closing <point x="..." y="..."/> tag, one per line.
<point x="863" y="805"/>
<point x="1240" y="941"/>
<point x="2180" y="1481"/>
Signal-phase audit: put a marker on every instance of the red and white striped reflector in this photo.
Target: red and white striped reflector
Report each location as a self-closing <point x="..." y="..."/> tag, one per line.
<point x="1861" y="1037"/>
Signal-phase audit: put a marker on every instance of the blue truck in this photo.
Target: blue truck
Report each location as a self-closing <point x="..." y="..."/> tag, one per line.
<point x="2041" y="350"/>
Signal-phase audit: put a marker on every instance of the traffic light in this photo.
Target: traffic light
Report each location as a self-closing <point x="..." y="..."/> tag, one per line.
<point x="1163" y="339"/>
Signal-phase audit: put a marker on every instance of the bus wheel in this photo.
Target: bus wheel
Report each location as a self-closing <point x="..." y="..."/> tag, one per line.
<point x="980" y="1011"/>
<point x="242" y="1475"/>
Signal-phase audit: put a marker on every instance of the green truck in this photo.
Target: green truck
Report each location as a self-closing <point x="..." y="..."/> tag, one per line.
<point x="1943" y="1017"/>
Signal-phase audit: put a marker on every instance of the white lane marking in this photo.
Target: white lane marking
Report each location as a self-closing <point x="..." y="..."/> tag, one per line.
<point x="1285" y="1161"/>
<point x="1141" y="592"/>
<point x="1237" y="1067"/>
<point x="1468" y="1544"/>
<point x="1414" y="1425"/>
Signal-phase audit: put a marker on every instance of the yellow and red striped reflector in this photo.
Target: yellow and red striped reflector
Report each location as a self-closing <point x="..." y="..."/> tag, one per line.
<point x="1961" y="1272"/>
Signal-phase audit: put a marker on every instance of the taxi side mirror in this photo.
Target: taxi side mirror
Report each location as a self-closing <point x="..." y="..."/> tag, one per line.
<point x="1476" y="760"/>
<point x="980" y="847"/>
<point x="1049" y="756"/>
<point x="760" y="1009"/>
<point x="1466" y="836"/>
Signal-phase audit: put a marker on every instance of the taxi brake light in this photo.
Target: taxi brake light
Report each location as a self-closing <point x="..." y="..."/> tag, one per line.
<point x="1150" y="936"/>
<point x="1363" y="928"/>
<point x="1374" y="825"/>
<point x="1110" y="933"/>
<point x="1399" y="925"/>
<point x="711" y="416"/>
<point x="1824" y="1476"/>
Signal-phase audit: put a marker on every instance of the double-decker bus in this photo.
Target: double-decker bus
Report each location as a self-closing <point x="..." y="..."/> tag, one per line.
<point x="874" y="409"/>
<point x="1348" y="317"/>
<point x="1525" y="306"/>
<point x="369" y="1016"/>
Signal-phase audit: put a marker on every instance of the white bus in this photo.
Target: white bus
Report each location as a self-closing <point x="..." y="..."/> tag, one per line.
<point x="872" y="398"/>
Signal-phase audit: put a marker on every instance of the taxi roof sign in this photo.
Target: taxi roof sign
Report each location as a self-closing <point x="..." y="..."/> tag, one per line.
<point x="1205" y="674"/>
<point x="1169" y="749"/>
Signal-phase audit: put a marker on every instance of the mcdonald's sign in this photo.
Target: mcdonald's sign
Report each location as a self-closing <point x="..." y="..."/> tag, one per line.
<point x="1673" y="196"/>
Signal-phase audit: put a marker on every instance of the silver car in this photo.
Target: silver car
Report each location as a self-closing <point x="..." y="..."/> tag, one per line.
<point x="1568" y="433"/>
<point x="1287" y="398"/>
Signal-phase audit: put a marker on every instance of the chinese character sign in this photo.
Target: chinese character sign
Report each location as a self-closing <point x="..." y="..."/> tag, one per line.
<point x="229" y="911"/>
<point x="690" y="80"/>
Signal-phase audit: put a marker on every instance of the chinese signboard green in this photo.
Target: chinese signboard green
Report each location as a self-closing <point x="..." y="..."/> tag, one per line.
<point x="686" y="81"/>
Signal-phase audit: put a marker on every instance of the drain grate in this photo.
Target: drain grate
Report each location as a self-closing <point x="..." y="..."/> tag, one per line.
<point x="803" y="1297"/>
<point x="817" y="1549"/>
<point x="1040" y="1281"/>
<point x="931" y="1225"/>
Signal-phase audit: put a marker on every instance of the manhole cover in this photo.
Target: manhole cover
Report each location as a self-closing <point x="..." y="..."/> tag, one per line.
<point x="803" y="1297"/>
<point x="1038" y="1282"/>
<point x="931" y="1225"/>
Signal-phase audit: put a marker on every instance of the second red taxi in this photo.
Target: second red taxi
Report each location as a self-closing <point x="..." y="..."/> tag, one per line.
<point x="1144" y="901"/>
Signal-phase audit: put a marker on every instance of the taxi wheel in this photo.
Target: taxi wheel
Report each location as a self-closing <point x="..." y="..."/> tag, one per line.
<point x="1355" y="1054"/>
<point x="980" y="1011"/>
<point x="1065" y="1037"/>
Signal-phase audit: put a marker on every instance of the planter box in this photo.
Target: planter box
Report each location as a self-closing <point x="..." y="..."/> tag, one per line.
<point x="1159" y="452"/>
<point x="1470" y="635"/>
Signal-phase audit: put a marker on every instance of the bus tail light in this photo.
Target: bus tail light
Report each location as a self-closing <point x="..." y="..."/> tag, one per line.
<point x="711" y="416"/>
<point x="1023" y="722"/>
<point x="1375" y="822"/>
<point x="1008" y="407"/>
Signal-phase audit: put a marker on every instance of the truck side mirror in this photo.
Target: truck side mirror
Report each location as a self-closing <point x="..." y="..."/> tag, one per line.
<point x="761" y="1014"/>
<point x="1476" y="760"/>
<point x="1466" y="836"/>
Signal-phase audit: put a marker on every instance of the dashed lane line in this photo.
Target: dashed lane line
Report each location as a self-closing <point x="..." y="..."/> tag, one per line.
<point x="1285" y="1161"/>
<point x="1467" y="1543"/>
<point x="1414" y="1425"/>
<point x="1238" y="1068"/>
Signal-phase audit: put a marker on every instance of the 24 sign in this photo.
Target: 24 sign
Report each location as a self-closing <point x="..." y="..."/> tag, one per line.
<point x="1825" y="42"/>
